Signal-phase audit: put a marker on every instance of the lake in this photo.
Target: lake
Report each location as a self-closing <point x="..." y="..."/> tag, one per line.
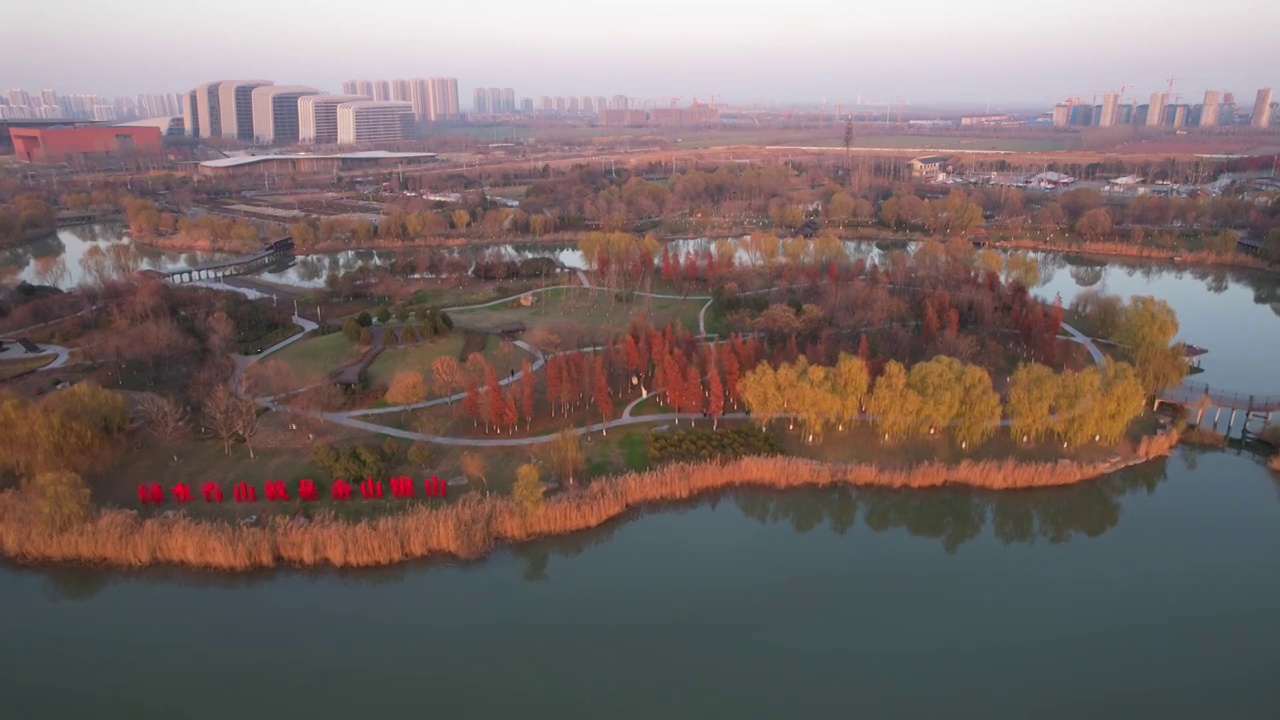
<point x="1150" y="593"/>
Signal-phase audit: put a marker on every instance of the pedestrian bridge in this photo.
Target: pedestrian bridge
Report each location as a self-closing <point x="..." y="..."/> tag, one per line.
<point x="1200" y="398"/>
<point x="272" y="253"/>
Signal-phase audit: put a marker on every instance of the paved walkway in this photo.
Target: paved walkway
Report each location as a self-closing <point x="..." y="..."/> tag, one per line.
<point x="13" y="351"/>
<point x="351" y="418"/>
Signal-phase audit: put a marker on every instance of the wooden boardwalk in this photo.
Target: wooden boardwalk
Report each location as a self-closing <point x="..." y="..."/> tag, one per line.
<point x="1198" y="399"/>
<point x="1195" y="395"/>
<point x="238" y="266"/>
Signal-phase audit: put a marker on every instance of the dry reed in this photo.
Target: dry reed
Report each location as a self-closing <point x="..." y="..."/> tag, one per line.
<point x="1118" y="249"/>
<point x="475" y="525"/>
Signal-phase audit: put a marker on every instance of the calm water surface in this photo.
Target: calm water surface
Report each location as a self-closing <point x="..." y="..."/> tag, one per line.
<point x="1151" y="593"/>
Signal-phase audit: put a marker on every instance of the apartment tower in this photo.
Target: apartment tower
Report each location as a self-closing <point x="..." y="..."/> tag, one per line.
<point x="370" y="121"/>
<point x="1262" y="109"/>
<point x="275" y="113"/>
<point x="318" y="117"/>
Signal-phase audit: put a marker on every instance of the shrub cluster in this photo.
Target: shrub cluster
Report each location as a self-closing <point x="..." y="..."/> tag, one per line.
<point x="700" y="444"/>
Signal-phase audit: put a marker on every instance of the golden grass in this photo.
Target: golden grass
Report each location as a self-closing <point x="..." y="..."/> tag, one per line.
<point x="474" y="526"/>
<point x="1119" y="249"/>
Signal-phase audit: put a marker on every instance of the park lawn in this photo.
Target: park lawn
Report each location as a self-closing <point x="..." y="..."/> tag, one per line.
<point x="414" y="357"/>
<point x="262" y="342"/>
<point x="13" y="368"/>
<point x="586" y="315"/>
<point x="314" y="356"/>
<point x="199" y="461"/>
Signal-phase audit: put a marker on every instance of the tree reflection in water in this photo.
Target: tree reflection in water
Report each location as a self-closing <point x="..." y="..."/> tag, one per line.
<point x="956" y="515"/>
<point x="953" y="515"/>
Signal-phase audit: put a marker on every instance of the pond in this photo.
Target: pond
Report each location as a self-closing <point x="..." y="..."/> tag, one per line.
<point x="65" y="259"/>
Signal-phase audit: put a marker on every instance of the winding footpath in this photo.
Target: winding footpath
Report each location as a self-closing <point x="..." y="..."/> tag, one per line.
<point x="352" y="418"/>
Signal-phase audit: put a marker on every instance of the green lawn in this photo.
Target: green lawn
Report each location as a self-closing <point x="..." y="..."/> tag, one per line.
<point x="314" y="357"/>
<point x="265" y="341"/>
<point x="594" y="314"/>
<point x="415" y="357"/>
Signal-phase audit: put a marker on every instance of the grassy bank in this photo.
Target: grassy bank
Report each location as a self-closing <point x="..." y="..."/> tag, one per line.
<point x="476" y="525"/>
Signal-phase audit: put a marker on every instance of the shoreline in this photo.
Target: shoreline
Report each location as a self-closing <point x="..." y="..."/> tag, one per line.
<point x="178" y="242"/>
<point x="476" y="526"/>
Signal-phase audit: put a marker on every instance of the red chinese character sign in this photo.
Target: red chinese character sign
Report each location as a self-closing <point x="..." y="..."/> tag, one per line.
<point x="281" y="491"/>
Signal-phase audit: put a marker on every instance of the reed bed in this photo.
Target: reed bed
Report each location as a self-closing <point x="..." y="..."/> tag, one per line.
<point x="1119" y="249"/>
<point x="475" y="525"/>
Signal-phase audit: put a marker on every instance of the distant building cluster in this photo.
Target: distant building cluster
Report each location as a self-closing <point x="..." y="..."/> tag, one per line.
<point x="1164" y="110"/>
<point x="367" y="112"/>
<point x="434" y="98"/>
<point x="48" y="104"/>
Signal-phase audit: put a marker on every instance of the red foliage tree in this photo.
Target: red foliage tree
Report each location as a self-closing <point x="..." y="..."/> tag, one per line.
<point x="555" y="381"/>
<point x="471" y="401"/>
<point x="604" y="402"/>
<point x="693" y="399"/>
<point x="732" y="373"/>
<point x="715" y="398"/>
<point x="526" y="392"/>
<point x="929" y="325"/>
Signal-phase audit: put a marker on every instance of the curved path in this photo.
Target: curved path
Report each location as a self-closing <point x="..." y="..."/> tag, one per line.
<point x="351" y="418"/>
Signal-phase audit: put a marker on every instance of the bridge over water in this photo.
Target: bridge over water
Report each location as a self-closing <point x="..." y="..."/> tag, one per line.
<point x="1200" y="398"/>
<point x="271" y="254"/>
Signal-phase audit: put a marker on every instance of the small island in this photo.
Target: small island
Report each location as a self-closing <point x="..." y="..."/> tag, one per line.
<point x="248" y="426"/>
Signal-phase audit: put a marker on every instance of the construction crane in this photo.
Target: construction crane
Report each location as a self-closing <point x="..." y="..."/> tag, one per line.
<point x="675" y="99"/>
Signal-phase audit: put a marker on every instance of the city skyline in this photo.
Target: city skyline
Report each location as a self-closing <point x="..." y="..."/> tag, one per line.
<point x="1011" y="55"/>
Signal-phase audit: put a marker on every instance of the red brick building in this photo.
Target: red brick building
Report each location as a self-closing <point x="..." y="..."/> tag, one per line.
<point x="66" y="143"/>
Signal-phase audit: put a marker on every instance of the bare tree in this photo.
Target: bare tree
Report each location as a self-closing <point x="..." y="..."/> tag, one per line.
<point x="220" y="330"/>
<point x="247" y="420"/>
<point x="166" y="419"/>
<point x="222" y="412"/>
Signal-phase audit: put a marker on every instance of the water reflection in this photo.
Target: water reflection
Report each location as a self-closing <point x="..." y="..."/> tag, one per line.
<point x="91" y="253"/>
<point x="952" y="516"/>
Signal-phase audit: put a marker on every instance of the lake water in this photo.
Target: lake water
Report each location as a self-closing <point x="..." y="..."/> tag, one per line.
<point x="1148" y="594"/>
<point x="59" y="259"/>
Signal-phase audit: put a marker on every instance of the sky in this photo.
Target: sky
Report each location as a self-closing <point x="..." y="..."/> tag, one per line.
<point x="1009" y="53"/>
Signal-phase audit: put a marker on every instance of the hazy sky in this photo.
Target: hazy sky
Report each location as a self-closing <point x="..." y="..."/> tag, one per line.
<point x="1025" y="52"/>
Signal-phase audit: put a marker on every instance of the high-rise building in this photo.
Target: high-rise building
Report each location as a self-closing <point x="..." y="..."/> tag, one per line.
<point x="586" y="105"/>
<point x="1155" y="111"/>
<point x="1209" y="110"/>
<point x="275" y="113"/>
<point x="190" y="114"/>
<point x="571" y="105"/>
<point x="1061" y="115"/>
<point x="19" y="98"/>
<point x="508" y="100"/>
<point x="1262" y="109"/>
<point x="401" y="92"/>
<point x="479" y="102"/>
<point x="545" y="104"/>
<point x="364" y="87"/>
<point x="526" y="106"/>
<point x="420" y="98"/>
<point x="1107" y="116"/>
<point x="49" y="97"/>
<point x="560" y="104"/>
<point x="318" y="117"/>
<point x="370" y="121"/>
<point x="1177" y="115"/>
<point x="381" y="90"/>
<point x="235" y="107"/>
<point x="349" y="87"/>
<point x="602" y="103"/>
<point x="494" y="100"/>
<point x="444" y="98"/>
<point x="208" y="110"/>
<point x="619" y="102"/>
